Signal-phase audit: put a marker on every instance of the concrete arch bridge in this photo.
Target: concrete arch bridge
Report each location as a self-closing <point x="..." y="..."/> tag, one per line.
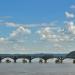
<point x="45" y="57"/>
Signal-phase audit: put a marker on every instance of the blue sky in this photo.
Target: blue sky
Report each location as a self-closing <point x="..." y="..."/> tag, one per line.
<point x="37" y="26"/>
<point x="34" y="11"/>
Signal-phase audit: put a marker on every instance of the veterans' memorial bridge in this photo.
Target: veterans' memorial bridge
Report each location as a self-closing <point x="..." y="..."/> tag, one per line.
<point x="43" y="57"/>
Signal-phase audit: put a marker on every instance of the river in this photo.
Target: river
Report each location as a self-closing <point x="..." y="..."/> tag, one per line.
<point x="37" y="69"/>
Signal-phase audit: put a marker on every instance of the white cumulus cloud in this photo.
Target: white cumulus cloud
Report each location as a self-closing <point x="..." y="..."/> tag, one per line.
<point x="69" y="15"/>
<point x="10" y="24"/>
<point x="71" y="27"/>
<point x="53" y="35"/>
<point x="20" y="30"/>
<point x="13" y="24"/>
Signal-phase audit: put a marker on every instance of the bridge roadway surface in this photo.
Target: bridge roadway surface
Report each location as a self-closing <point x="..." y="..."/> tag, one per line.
<point x="45" y="57"/>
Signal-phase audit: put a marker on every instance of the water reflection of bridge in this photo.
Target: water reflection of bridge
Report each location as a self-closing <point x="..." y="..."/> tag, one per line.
<point x="45" y="57"/>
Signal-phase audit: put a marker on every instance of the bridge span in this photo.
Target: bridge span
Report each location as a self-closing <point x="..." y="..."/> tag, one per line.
<point x="45" y="57"/>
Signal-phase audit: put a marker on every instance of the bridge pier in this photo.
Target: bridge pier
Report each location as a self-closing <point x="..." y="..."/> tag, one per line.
<point x="59" y="60"/>
<point x="0" y="60"/>
<point x="45" y="61"/>
<point x="15" y="59"/>
<point x="74" y="61"/>
<point x="30" y="59"/>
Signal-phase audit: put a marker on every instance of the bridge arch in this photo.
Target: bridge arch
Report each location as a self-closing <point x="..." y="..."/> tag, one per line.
<point x="38" y="59"/>
<point x="51" y="60"/>
<point x="23" y="60"/>
<point x="68" y="60"/>
<point x="7" y="59"/>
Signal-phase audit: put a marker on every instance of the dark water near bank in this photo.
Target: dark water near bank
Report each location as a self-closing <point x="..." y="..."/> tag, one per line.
<point x="37" y="69"/>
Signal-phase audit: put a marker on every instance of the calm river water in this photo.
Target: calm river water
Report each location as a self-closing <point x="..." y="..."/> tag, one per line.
<point x="37" y="69"/>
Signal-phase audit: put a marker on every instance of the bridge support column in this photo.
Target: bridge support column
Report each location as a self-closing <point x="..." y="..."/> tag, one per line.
<point x="29" y="60"/>
<point x="45" y="61"/>
<point x="74" y="61"/>
<point x="14" y="60"/>
<point x="0" y="59"/>
<point x="61" y="60"/>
